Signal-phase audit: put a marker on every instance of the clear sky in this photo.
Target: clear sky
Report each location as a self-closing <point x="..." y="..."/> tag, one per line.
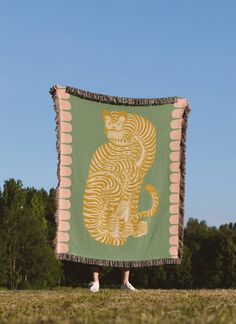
<point x="127" y="48"/>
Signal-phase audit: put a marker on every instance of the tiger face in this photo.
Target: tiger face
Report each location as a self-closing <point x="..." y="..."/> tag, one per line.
<point x="117" y="127"/>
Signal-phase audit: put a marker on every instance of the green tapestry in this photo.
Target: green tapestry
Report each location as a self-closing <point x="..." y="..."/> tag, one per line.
<point x="121" y="169"/>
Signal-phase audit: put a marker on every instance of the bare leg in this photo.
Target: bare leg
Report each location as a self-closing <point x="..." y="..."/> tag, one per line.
<point x="95" y="276"/>
<point x="95" y="273"/>
<point x="124" y="275"/>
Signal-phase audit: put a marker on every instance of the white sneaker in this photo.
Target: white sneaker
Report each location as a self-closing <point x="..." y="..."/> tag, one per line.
<point x="93" y="286"/>
<point x="127" y="286"/>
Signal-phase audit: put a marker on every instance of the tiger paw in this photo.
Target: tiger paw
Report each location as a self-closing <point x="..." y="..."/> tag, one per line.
<point x="128" y="229"/>
<point x="142" y="229"/>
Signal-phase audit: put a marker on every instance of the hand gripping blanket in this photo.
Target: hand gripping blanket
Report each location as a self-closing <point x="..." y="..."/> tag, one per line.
<point x="121" y="169"/>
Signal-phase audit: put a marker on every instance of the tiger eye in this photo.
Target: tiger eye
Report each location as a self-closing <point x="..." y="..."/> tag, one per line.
<point x="121" y="119"/>
<point x="107" y="118"/>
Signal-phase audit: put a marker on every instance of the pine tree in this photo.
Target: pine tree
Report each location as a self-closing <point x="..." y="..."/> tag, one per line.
<point x="28" y="258"/>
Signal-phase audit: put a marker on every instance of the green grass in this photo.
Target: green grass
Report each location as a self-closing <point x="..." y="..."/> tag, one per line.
<point x="68" y="305"/>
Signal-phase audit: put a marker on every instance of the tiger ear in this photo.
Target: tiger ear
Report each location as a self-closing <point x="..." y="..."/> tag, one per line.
<point x="123" y="113"/>
<point x="105" y="113"/>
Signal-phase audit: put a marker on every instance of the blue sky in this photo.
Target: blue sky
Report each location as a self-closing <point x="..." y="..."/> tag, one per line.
<point x="126" y="48"/>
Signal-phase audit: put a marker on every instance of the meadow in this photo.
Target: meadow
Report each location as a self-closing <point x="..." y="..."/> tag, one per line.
<point x="77" y="305"/>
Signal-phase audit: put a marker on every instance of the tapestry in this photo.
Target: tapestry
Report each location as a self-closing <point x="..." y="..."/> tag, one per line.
<point x="121" y="176"/>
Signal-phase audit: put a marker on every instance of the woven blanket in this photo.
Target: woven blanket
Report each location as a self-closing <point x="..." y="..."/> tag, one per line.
<point x="121" y="169"/>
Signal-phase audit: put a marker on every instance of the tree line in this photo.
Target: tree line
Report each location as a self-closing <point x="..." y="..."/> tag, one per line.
<point x="27" y="257"/>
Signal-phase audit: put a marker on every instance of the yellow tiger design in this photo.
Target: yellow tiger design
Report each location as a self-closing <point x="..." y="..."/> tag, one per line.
<point x="115" y="177"/>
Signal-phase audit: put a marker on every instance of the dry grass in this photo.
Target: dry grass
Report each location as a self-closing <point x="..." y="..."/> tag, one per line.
<point x="68" y="305"/>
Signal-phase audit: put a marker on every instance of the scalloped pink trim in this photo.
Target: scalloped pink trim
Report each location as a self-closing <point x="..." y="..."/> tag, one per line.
<point x="175" y="176"/>
<point x="64" y="139"/>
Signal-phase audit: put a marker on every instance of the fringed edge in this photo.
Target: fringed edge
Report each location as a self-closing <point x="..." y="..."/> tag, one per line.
<point x="52" y="92"/>
<point x="118" y="264"/>
<point x="182" y="179"/>
<point x="119" y="100"/>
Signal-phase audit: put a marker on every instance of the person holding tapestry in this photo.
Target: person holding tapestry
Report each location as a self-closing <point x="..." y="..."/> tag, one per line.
<point x="121" y="172"/>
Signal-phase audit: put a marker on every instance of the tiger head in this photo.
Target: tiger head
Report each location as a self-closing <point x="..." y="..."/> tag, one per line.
<point x="118" y="128"/>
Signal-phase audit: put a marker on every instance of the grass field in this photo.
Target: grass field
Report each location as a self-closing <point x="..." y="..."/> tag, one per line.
<point x="77" y="305"/>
